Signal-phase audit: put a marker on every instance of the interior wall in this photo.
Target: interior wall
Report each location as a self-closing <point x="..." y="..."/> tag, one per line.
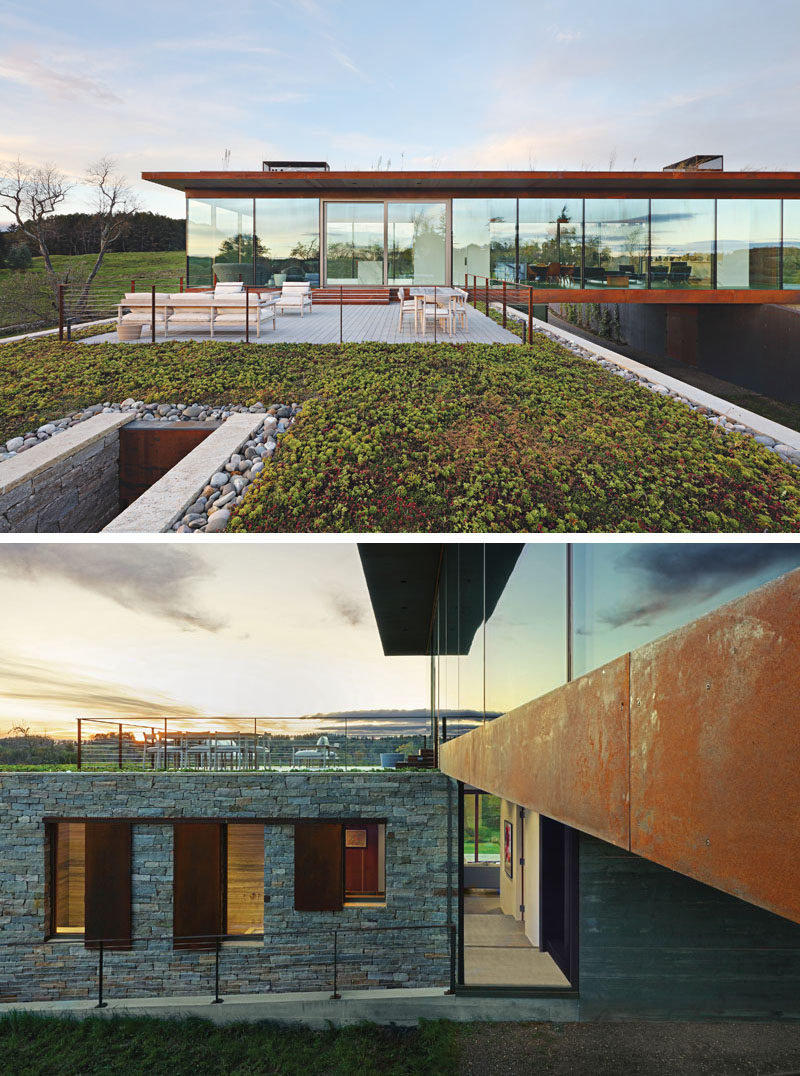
<point x="510" y="894"/>
<point x="530" y="852"/>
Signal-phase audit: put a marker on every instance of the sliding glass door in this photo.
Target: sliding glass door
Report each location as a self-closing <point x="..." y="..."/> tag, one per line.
<point x="379" y="243"/>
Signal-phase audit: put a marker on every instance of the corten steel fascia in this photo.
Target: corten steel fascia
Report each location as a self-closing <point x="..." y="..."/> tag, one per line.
<point x="681" y="184"/>
<point x="692" y="763"/>
<point x="715" y="748"/>
<point x="564" y="754"/>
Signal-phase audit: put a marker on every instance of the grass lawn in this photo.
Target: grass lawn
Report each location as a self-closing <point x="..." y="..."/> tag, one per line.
<point x="127" y="1046"/>
<point x="164" y="268"/>
<point x="429" y="437"/>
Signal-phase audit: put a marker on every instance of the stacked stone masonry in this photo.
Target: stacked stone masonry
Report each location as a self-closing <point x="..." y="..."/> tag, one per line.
<point x="76" y="494"/>
<point x="296" y="952"/>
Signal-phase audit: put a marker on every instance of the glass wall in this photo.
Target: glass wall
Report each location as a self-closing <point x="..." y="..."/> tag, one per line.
<point x="501" y="631"/>
<point x="354" y="242"/>
<point x="791" y="243"/>
<point x="416" y="242"/>
<point x="550" y="238"/>
<point x="219" y="240"/>
<point x="681" y="242"/>
<point x="748" y="243"/>
<point x="287" y="240"/>
<point x="484" y="238"/>
<point x="627" y="595"/>
<point x="616" y="242"/>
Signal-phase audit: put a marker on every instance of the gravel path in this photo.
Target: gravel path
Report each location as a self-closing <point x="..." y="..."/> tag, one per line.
<point x="631" y="1048"/>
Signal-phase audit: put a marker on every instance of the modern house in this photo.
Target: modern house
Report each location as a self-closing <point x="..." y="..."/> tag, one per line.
<point x="649" y="794"/>
<point x="690" y="234"/>
<point x="621" y="841"/>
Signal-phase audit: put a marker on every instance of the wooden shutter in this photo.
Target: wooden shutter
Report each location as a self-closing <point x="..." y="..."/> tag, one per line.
<point x="361" y="863"/>
<point x="108" y="884"/>
<point x="197" y="885"/>
<point x="318" y="882"/>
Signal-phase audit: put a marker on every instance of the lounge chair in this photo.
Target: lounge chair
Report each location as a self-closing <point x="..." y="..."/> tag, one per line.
<point x="294" y="297"/>
<point x="189" y="309"/>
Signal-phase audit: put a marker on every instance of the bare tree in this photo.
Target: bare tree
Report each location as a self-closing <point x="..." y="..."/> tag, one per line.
<point x="32" y="195"/>
<point x="114" y="204"/>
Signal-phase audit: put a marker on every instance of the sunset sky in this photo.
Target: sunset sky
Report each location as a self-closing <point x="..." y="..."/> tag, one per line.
<point x="559" y="84"/>
<point x="140" y="632"/>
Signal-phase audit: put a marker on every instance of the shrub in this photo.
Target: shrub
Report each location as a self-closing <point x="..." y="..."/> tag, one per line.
<point x="18" y="257"/>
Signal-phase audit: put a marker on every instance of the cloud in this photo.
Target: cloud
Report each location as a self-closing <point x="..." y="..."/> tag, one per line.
<point x="218" y="45"/>
<point x="34" y="683"/>
<point x="25" y="69"/>
<point x="567" y="37"/>
<point x="347" y="609"/>
<point x="159" y="580"/>
<point x="669" y="576"/>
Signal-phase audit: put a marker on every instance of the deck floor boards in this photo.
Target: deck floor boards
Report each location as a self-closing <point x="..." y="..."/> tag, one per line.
<point x="360" y="323"/>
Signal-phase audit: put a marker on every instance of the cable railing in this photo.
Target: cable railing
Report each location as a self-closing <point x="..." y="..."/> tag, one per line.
<point x="227" y="746"/>
<point x="326" y="950"/>
<point x="507" y="294"/>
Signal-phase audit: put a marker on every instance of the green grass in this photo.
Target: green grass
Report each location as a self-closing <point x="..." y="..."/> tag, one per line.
<point x="484" y="848"/>
<point x="164" y="268"/>
<point x="32" y="1045"/>
<point x="431" y="437"/>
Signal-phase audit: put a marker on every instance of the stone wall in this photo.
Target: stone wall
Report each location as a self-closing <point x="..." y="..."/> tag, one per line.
<point x="297" y="948"/>
<point x="68" y="484"/>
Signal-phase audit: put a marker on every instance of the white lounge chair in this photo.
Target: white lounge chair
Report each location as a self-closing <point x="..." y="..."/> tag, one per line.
<point x="294" y="297"/>
<point x="189" y="309"/>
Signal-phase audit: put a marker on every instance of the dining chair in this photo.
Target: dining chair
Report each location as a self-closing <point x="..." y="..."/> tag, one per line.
<point x="407" y="306"/>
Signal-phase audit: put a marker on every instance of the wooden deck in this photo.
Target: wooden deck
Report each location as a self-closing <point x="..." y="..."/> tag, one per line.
<point x="359" y="324"/>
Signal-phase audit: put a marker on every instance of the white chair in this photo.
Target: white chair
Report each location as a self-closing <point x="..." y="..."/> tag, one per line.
<point x="140" y="307"/>
<point x="407" y="306"/>
<point x="458" y="309"/>
<point x="428" y="310"/>
<point x="294" y="297"/>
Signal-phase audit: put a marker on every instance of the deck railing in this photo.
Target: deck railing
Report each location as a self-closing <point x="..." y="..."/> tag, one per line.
<point x="228" y="746"/>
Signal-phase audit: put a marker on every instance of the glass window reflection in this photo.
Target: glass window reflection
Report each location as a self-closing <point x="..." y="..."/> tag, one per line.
<point x="682" y="242"/>
<point x="616" y="242"/>
<point x="484" y="238"/>
<point x="748" y="243"/>
<point x="354" y="242"/>
<point x="550" y="238"/>
<point x="791" y="243"/>
<point x="219" y="240"/>
<point x="627" y="595"/>
<point x="287" y="240"/>
<point x="416" y="242"/>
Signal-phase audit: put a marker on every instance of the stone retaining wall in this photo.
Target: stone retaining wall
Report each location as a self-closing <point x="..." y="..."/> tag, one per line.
<point x="67" y="484"/>
<point x="296" y="951"/>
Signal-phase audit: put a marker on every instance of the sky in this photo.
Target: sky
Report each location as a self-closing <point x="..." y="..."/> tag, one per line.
<point x="137" y="632"/>
<point x="543" y="84"/>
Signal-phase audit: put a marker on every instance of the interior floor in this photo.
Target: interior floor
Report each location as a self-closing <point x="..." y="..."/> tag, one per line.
<point x="496" y="950"/>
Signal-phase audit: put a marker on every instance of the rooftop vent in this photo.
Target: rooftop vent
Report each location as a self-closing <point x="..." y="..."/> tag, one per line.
<point x="701" y="162"/>
<point x="296" y="166"/>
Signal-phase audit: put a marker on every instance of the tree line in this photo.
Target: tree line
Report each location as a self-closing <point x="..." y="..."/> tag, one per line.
<point x="80" y="233"/>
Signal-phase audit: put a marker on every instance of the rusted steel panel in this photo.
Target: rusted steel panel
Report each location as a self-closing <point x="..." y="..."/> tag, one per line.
<point x="564" y="754"/>
<point x="715" y="748"/>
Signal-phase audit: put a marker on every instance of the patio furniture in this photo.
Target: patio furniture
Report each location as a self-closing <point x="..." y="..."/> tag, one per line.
<point x="324" y="752"/>
<point x="294" y="297"/>
<point x="407" y="306"/>
<point x="679" y="272"/>
<point x="233" y="312"/>
<point x="658" y="274"/>
<point x="140" y="309"/>
<point x="458" y="309"/>
<point x="187" y="309"/>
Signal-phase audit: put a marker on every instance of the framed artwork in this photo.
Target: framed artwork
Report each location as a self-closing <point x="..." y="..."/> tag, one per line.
<point x="508" y="848"/>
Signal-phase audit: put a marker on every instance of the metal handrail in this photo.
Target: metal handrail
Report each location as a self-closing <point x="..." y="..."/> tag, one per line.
<point x="107" y="945"/>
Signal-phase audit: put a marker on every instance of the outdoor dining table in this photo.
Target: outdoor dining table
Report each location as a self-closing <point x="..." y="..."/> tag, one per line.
<point x="423" y="294"/>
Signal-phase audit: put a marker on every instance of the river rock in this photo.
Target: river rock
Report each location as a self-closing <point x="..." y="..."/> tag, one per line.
<point x="218" y="522"/>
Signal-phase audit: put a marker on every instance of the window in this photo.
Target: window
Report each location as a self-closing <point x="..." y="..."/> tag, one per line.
<point x="218" y="882"/>
<point x="338" y="864"/>
<point x="90" y="882"/>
